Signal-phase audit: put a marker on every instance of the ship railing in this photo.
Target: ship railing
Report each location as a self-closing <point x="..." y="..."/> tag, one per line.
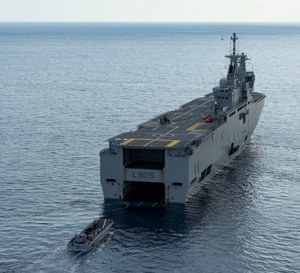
<point x="258" y="96"/>
<point x="107" y="151"/>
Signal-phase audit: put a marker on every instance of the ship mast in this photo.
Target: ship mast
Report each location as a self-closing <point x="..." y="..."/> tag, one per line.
<point x="234" y="38"/>
<point x="237" y="65"/>
<point x="233" y="57"/>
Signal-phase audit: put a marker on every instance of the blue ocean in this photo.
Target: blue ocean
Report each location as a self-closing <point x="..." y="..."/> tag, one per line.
<point x="66" y="88"/>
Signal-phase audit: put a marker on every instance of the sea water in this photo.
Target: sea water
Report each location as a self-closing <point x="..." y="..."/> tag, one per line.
<point x="67" y="88"/>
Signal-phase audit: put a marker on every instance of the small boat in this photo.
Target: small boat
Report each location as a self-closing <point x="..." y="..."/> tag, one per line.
<point x="90" y="236"/>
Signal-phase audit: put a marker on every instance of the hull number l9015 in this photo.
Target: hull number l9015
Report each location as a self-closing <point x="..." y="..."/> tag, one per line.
<point x="148" y="175"/>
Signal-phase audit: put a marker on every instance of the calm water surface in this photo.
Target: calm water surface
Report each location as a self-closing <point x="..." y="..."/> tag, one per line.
<point x="67" y="88"/>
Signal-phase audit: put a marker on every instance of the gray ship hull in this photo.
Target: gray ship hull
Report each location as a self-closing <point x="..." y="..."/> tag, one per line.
<point x="219" y="148"/>
<point x="183" y="174"/>
<point x="168" y="158"/>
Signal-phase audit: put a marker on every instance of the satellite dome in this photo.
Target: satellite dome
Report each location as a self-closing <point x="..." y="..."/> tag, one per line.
<point x="223" y="82"/>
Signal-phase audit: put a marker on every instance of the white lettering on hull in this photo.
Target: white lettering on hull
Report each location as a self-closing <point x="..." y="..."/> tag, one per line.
<point x="144" y="175"/>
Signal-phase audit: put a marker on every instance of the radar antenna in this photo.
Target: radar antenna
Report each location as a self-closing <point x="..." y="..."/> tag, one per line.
<point x="234" y="38"/>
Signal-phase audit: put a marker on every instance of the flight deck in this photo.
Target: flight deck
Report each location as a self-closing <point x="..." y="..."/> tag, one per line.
<point x="173" y="129"/>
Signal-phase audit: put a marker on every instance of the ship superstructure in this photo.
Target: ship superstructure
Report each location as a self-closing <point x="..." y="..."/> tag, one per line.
<point x="169" y="157"/>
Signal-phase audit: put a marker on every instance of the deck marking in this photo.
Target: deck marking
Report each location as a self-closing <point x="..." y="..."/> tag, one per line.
<point x="195" y="126"/>
<point x="192" y="128"/>
<point x="155" y="204"/>
<point x="172" y="142"/>
<point x="176" y="127"/>
<point x="184" y="113"/>
<point x="129" y="140"/>
<point x="141" y="203"/>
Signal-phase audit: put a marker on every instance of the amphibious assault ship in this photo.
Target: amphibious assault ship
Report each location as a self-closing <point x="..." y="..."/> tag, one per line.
<point x="169" y="157"/>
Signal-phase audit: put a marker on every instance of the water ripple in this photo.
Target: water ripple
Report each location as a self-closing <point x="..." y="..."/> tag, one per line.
<point x="66" y="89"/>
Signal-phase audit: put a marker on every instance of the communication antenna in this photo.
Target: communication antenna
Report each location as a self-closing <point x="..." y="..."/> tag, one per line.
<point x="234" y="38"/>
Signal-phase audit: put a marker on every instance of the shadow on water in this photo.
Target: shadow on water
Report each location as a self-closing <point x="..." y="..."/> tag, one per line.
<point x="127" y="215"/>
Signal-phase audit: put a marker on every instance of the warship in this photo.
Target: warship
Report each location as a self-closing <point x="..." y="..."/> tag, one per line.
<point x="168" y="158"/>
